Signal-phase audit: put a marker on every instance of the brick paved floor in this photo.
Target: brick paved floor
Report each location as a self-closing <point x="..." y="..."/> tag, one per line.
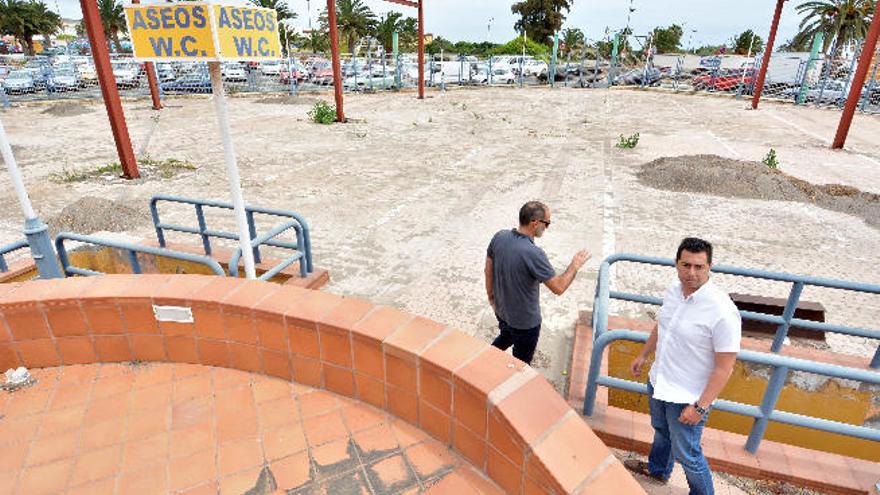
<point x="178" y="428"/>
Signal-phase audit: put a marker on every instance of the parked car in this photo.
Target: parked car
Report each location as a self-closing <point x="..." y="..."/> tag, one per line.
<point x="502" y="75"/>
<point x="64" y="79"/>
<point x="299" y="72"/>
<point x="323" y="74"/>
<point x="831" y="92"/>
<point x="233" y="72"/>
<point x="126" y="73"/>
<point x="19" y="82"/>
<point x="165" y="72"/>
<point x="535" y="67"/>
<point x="368" y="82"/>
<point x="198" y="81"/>
<point x="725" y="79"/>
<point x="634" y="77"/>
<point x="271" y="67"/>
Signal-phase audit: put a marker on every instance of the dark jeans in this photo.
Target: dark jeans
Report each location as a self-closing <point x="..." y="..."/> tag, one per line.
<point x="524" y="342"/>
<point x="676" y="441"/>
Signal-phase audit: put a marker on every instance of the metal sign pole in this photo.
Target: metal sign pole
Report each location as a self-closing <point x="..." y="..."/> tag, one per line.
<point x="244" y="236"/>
<point x="35" y="231"/>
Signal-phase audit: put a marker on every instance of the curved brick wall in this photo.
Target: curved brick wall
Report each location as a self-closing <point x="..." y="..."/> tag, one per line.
<point x="498" y="413"/>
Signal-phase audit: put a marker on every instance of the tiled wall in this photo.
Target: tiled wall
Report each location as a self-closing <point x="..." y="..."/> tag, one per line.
<point x="497" y="412"/>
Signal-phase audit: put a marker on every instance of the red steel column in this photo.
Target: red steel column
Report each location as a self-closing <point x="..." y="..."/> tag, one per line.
<point x="759" y="86"/>
<point x="421" y="50"/>
<point x="109" y="91"/>
<point x="334" y="49"/>
<point x="855" y="89"/>
<point x="151" y="79"/>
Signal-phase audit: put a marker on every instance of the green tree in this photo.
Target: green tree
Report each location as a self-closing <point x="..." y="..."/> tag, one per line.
<point x="540" y="18"/>
<point x="845" y="20"/>
<point x="515" y="47"/>
<point x="743" y="41"/>
<point x="406" y="27"/>
<point x="26" y="19"/>
<point x="354" y="21"/>
<point x="282" y="12"/>
<point x="573" y="39"/>
<point x="668" y="39"/>
<point x="439" y="44"/>
<point x="113" y="20"/>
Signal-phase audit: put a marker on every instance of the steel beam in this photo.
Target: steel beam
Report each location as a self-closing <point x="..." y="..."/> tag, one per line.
<point x="759" y="86"/>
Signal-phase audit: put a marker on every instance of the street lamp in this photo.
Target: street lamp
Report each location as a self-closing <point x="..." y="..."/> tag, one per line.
<point x="489" y="29"/>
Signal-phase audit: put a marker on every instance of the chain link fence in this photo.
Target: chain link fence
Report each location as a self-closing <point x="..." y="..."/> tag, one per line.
<point x="796" y="77"/>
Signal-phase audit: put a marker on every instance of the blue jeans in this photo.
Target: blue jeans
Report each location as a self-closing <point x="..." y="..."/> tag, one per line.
<point x="676" y="441"/>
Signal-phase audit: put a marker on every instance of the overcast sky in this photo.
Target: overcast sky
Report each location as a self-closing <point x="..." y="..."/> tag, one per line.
<point x="715" y="21"/>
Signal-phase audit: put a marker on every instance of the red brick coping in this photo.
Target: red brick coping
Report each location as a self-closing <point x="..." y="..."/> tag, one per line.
<point x="492" y="408"/>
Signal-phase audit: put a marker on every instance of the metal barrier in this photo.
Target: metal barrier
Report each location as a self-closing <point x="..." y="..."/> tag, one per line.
<point x="9" y="248"/>
<point x="764" y="413"/>
<point x="302" y="247"/>
<point x="132" y="249"/>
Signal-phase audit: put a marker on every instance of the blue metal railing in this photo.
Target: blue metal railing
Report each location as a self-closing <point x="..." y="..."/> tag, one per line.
<point x="785" y="321"/>
<point x="132" y="249"/>
<point x="302" y="248"/>
<point x="11" y="247"/>
<point x="765" y="412"/>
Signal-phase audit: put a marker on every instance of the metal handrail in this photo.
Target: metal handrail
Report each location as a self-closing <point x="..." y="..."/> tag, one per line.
<point x="11" y="247"/>
<point x="132" y="249"/>
<point x="278" y="230"/>
<point x="303" y="245"/>
<point x="604" y="293"/>
<point x="764" y="413"/>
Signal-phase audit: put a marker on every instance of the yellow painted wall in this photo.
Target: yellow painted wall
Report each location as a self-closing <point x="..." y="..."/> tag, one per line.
<point x="110" y="260"/>
<point x="830" y="401"/>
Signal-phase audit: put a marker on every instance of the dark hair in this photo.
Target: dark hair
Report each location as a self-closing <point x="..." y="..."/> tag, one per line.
<point x="531" y="211"/>
<point x="695" y="245"/>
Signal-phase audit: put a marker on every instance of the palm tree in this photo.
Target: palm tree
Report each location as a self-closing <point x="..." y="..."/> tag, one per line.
<point x="282" y="12"/>
<point x="354" y="20"/>
<point x="573" y="39"/>
<point x="845" y="20"/>
<point x="26" y="19"/>
<point x="385" y="28"/>
<point x="113" y="20"/>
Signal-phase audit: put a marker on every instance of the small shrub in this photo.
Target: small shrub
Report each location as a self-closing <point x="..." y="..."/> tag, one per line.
<point x="770" y="160"/>
<point x="628" y="142"/>
<point x="323" y="113"/>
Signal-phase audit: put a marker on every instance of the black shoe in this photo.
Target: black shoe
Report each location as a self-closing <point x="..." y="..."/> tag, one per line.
<point x="641" y="467"/>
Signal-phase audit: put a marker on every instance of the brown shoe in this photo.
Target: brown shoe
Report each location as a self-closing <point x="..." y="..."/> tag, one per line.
<point x="641" y="467"/>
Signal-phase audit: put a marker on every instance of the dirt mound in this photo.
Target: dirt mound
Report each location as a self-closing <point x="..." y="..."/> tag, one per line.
<point x="289" y="100"/>
<point x="68" y="109"/>
<point x="725" y="177"/>
<point x="91" y="214"/>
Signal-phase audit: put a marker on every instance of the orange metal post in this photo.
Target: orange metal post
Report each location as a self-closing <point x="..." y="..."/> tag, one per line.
<point x="421" y="50"/>
<point x="855" y="89"/>
<point x="334" y="49"/>
<point x="109" y="91"/>
<point x="151" y="79"/>
<point x="759" y="85"/>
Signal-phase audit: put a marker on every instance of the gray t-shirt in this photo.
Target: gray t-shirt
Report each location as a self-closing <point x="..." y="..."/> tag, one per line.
<point x="519" y="267"/>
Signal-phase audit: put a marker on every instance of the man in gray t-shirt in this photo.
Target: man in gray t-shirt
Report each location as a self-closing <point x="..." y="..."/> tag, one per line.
<point x="515" y="269"/>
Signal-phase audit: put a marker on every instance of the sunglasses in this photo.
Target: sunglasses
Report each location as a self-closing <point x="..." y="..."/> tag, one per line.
<point x="545" y="222"/>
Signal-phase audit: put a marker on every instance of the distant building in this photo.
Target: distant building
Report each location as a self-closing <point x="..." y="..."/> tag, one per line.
<point x="428" y="38"/>
<point x="68" y="26"/>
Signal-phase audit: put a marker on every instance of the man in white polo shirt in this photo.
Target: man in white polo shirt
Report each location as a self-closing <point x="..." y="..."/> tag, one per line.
<point x="696" y="339"/>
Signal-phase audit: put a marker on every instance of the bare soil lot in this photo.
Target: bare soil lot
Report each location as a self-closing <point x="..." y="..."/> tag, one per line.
<point x="403" y="202"/>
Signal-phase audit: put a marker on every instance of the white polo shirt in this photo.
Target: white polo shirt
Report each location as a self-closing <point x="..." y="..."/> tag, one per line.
<point x="691" y="330"/>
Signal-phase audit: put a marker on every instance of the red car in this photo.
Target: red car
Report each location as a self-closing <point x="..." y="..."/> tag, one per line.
<point x="725" y="79"/>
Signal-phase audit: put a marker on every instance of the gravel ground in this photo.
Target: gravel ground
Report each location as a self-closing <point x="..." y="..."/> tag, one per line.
<point x="91" y="214"/>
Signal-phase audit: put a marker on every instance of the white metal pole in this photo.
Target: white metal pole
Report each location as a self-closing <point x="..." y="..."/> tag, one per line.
<point x="247" y="252"/>
<point x="15" y="174"/>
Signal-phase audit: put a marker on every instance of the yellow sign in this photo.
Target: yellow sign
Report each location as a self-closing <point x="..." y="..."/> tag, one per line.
<point x="202" y="31"/>
<point x="246" y="32"/>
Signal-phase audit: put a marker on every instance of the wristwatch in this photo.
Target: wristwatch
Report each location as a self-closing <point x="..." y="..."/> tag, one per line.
<point x="699" y="409"/>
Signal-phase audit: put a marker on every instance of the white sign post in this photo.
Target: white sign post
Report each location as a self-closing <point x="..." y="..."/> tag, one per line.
<point x="213" y="33"/>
